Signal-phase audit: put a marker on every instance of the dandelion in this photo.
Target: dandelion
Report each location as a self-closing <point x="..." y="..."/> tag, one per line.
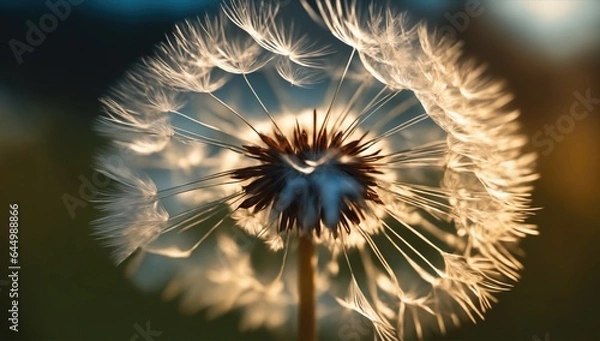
<point x="316" y="161"/>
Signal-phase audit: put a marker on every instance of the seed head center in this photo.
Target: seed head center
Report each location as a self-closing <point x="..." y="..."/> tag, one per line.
<point x="312" y="182"/>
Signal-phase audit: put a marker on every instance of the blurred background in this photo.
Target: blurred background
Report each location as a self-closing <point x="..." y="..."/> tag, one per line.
<point x="547" y="51"/>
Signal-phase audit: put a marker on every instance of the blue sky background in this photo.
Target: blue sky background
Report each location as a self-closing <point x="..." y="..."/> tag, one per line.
<point x="173" y="7"/>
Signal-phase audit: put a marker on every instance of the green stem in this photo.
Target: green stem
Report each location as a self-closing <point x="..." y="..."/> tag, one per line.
<point x="307" y="323"/>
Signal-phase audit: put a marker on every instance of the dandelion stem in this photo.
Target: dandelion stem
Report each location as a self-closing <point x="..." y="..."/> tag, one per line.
<point x="307" y="324"/>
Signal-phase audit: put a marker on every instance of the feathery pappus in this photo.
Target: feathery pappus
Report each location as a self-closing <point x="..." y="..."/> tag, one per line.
<point x="263" y="123"/>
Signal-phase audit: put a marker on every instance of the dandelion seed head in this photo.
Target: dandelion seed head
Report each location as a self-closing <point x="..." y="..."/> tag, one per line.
<point x="348" y="125"/>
